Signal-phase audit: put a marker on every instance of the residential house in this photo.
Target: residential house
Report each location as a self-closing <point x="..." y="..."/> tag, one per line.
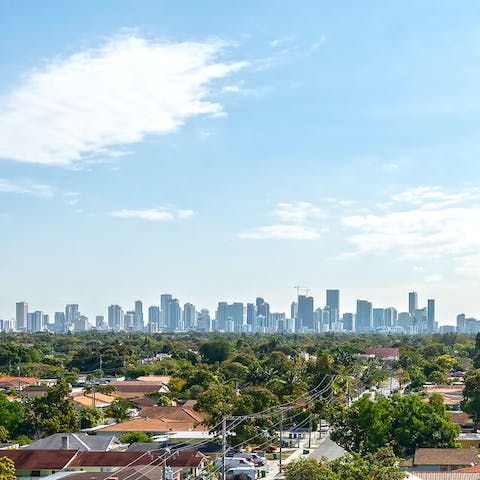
<point x="441" y="459"/>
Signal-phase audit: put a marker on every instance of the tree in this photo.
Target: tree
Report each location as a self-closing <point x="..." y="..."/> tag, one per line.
<point x="118" y="409"/>
<point x="471" y="395"/>
<point x="89" y="416"/>
<point x="135" y="437"/>
<point x="7" y="469"/>
<point x="405" y="423"/>
<point x="381" y="465"/>
<point x="54" y="412"/>
<point x="216" y="351"/>
<point x="4" y="434"/>
<point x="12" y="416"/>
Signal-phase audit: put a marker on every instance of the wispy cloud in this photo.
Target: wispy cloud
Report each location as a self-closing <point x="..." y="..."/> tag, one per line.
<point x="26" y="187"/>
<point x="277" y="42"/>
<point x="422" y="224"/>
<point x="154" y="214"/>
<point x="282" y="231"/>
<point x="92" y="103"/>
<point x="296" y="223"/>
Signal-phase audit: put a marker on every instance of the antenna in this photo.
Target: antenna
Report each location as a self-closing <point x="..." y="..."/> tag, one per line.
<point x="299" y="289"/>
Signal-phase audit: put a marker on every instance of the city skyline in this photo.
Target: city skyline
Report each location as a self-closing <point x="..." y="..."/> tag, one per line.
<point x="306" y="314"/>
<point x="218" y="151"/>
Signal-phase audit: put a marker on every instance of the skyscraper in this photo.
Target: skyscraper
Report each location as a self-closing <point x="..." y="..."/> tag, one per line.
<point x="263" y="310"/>
<point x="348" y="322"/>
<point x="461" y="323"/>
<point x="165" y="300"/>
<point x="391" y="319"/>
<point x="59" y="321"/>
<point x="305" y="312"/>
<point x="250" y="313"/>
<point x="431" y="315"/>
<point x="229" y="316"/>
<point x="72" y="315"/>
<point x="189" y="316"/>
<point x="35" y="321"/>
<point x="412" y="303"/>
<point x="21" y="316"/>
<point x="364" y="316"/>
<point x="154" y="318"/>
<point x="333" y="303"/>
<point x="139" y="323"/>
<point x="115" y="317"/>
<point x="378" y="319"/>
<point x="204" y="322"/>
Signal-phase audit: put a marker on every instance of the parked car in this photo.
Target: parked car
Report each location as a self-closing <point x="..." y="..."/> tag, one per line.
<point x="269" y="449"/>
<point x="253" y="457"/>
<point x="250" y="473"/>
<point x="231" y="462"/>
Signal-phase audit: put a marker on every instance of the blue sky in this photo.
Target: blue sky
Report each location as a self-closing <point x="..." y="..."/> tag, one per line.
<point x="224" y="150"/>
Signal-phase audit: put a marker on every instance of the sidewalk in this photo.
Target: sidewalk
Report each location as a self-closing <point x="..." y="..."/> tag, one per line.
<point x="273" y="465"/>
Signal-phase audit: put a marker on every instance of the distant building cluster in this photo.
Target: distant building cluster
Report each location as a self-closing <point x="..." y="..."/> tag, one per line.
<point x="171" y="316"/>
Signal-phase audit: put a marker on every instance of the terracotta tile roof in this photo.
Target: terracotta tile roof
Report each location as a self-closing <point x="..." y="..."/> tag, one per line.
<point x="39" y="459"/>
<point x="446" y="475"/>
<point x="476" y="468"/>
<point x="446" y="456"/>
<point x="25" y="380"/>
<point x="141" y="424"/>
<point x="383" y="352"/>
<point x="155" y="378"/>
<point x="183" y="459"/>
<point x="460" y="418"/>
<point x="134" y="388"/>
<point x="173" y="414"/>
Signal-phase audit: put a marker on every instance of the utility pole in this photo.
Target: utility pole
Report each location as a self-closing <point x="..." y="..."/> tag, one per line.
<point x="18" y="377"/>
<point x="224" y="446"/>
<point x="310" y="431"/>
<point x="281" y="441"/>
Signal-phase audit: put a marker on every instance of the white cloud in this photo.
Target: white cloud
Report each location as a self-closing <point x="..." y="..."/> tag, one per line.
<point x="78" y="108"/>
<point x="296" y="223"/>
<point x="154" y="214"/>
<point x="431" y="224"/>
<point x="297" y="212"/>
<point x="277" y="42"/>
<point x="26" y="188"/>
<point x="282" y="231"/>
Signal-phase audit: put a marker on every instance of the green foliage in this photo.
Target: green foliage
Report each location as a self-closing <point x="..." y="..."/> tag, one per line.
<point x="471" y="394"/>
<point x="4" y="434"/>
<point x="12" y="416"/>
<point x="405" y="423"/>
<point x="381" y="465"/>
<point x="89" y="417"/>
<point x="118" y="409"/>
<point x="7" y="469"/>
<point x="54" y="412"/>
<point x="135" y="437"/>
<point x="216" y="351"/>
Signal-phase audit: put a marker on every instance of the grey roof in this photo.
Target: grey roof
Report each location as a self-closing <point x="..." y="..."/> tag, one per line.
<point x="145" y="447"/>
<point x="76" y="441"/>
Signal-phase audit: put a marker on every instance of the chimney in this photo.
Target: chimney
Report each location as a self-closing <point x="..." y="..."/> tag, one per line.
<point x="65" y="442"/>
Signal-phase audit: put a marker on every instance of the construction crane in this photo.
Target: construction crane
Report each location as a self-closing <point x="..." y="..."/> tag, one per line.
<point x="299" y="289"/>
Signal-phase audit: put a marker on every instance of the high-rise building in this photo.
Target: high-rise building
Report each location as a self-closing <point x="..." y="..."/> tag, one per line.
<point x="72" y="315"/>
<point x="333" y="303"/>
<point x="129" y="320"/>
<point x="263" y="310"/>
<point x="412" y="303"/>
<point x="229" y="316"/>
<point x="391" y="317"/>
<point x="461" y="323"/>
<point x="189" y="316"/>
<point x="100" y="322"/>
<point x="139" y="323"/>
<point x="404" y="320"/>
<point x="83" y="323"/>
<point x="250" y="313"/>
<point x="378" y="319"/>
<point x="305" y="313"/>
<point x="431" y="315"/>
<point x="364" y="316"/>
<point x="35" y="321"/>
<point x="21" y="316"/>
<point x="165" y="300"/>
<point x="59" y="320"/>
<point x="204" y="322"/>
<point x="115" y="317"/>
<point x="153" y="318"/>
<point x="348" y="322"/>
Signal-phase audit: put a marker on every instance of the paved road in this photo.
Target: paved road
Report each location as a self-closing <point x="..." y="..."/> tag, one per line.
<point x="327" y="449"/>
